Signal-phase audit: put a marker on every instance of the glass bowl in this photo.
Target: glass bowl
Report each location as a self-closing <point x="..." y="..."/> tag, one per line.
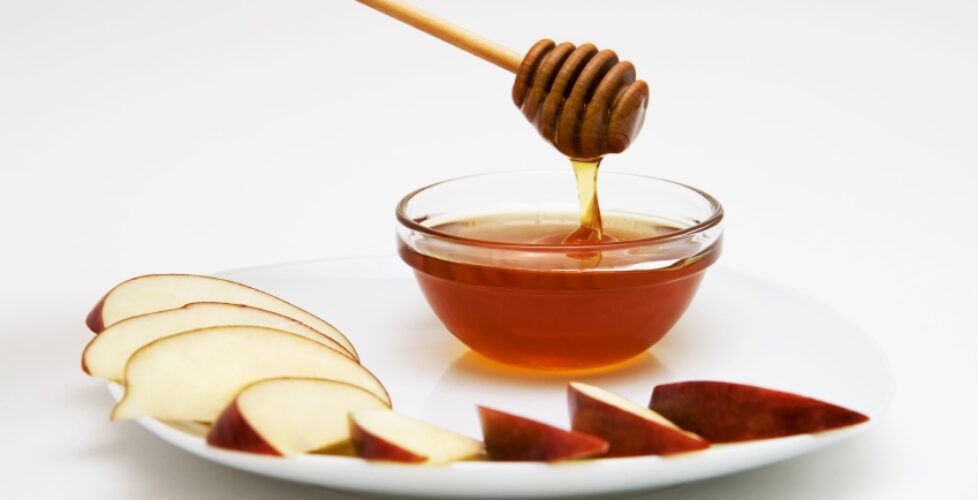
<point x="483" y="255"/>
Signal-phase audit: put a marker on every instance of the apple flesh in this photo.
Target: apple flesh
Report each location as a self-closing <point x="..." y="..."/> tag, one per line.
<point x="629" y="428"/>
<point x="288" y="416"/>
<point x="510" y="437"/>
<point x="195" y="375"/>
<point x="107" y="353"/>
<point x="159" y="292"/>
<point x="389" y="436"/>
<point x="725" y="412"/>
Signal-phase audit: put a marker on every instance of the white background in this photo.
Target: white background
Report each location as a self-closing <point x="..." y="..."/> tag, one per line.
<point x="194" y="136"/>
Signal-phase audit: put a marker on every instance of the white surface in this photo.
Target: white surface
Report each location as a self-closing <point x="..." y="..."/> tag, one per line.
<point x="807" y="349"/>
<point x="193" y="136"/>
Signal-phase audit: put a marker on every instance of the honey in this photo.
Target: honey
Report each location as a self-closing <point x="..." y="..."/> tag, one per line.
<point x="541" y="309"/>
<point x="590" y="229"/>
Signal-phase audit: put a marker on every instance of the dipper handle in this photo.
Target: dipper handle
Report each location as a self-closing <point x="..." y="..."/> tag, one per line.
<point x="448" y="32"/>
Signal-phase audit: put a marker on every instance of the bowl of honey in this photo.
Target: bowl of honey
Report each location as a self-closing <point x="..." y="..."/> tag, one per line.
<point x="523" y="275"/>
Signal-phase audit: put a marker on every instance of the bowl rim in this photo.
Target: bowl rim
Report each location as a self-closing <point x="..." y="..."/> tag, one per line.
<point x="713" y="220"/>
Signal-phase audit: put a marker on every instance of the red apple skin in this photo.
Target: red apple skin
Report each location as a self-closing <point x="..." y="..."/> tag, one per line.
<point x="628" y="435"/>
<point x="513" y="438"/>
<point x="372" y="447"/>
<point x="94" y="319"/>
<point x="725" y="413"/>
<point x="233" y="432"/>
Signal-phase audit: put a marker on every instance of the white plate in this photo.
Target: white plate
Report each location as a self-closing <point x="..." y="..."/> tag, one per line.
<point x="738" y="329"/>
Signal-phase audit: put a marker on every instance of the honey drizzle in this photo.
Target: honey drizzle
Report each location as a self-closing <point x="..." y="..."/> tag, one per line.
<point x="590" y="230"/>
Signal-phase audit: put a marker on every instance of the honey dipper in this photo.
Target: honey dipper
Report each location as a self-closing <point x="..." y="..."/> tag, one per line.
<point x="585" y="101"/>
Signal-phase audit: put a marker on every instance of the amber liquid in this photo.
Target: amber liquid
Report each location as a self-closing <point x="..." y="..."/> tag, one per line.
<point x="541" y="309"/>
<point x="591" y="229"/>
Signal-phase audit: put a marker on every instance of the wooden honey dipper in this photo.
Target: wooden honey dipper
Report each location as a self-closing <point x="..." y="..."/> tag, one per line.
<point x="586" y="102"/>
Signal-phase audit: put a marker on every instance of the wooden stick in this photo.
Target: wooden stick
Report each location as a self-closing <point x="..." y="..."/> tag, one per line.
<point x="455" y="35"/>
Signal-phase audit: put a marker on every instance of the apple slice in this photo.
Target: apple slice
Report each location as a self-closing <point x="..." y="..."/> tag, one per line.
<point x="510" y="437"/>
<point x="107" y="353"/>
<point x="390" y="436"/>
<point x="629" y="428"/>
<point x="724" y="412"/>
<point x="287" y="416"/>
<point x="159" y="292"/>
<point x="194" y="375"/>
